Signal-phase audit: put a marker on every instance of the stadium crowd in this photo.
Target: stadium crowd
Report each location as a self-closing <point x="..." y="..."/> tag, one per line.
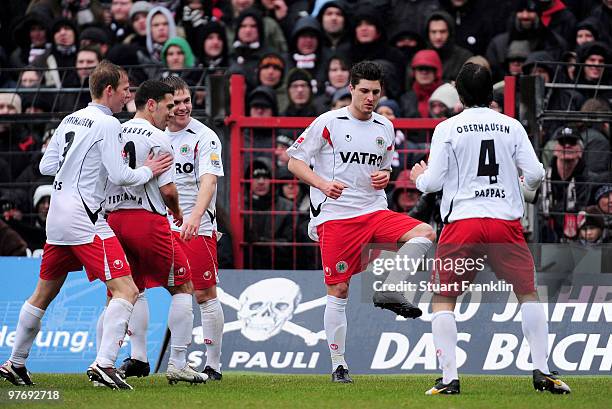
<point x="296" y="56"/>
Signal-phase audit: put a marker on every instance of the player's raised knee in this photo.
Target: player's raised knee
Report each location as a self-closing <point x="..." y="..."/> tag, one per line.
<point x="422" y="230"/>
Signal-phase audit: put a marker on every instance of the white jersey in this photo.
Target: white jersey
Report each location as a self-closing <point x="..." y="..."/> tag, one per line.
<point x="475" y="157"/>
<point x="139" y="138"/>
<point x="347" y="150"/>
<point x="197" y="151"/>
<point x="82" y="155"/>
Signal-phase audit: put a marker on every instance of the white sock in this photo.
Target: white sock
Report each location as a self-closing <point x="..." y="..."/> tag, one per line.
<point x="137" y="329"/>
<point x="444" y="330"/>
<point x="334" y="321"/>
<point x="212" y="329"/>
<point x="413" y="249"/>
<point x="100" y="330"/>
<point x="115" y="325"/>
<point x="180" y="322"/>
<point x="535" y="329"/>
<point x="27" y="329"/>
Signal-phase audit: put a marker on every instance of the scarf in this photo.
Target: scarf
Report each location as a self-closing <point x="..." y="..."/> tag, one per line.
<point x="305" y="62"/>
<point x="423" y="92"/>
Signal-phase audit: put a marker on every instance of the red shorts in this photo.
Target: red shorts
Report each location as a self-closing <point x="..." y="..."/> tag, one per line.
<point x="103" y="260"/>
<point x="499" y="242"/>
<point x="156" y="258"/>
<point x="201" y="251"/>
<point x="342" y="241"/>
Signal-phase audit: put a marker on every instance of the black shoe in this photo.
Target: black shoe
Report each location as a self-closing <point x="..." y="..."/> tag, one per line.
<point x="134" y="367"/>
<point x="440" y="388"/>
<point x="212" y="374"/>
<point x="16" y="376"/>
<point x="549" y="382"/>
<point x="341" y="375"/>
<point x="107" y="376"/>
<point x="396" y="302"/>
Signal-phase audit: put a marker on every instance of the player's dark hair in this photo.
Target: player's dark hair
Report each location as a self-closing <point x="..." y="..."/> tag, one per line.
<point x="176" y="83"/>
<point x="151" y="89"/>
<point x="475" y="85"/>
<point x="366" y="70"/>
<point x="105" y="74"/>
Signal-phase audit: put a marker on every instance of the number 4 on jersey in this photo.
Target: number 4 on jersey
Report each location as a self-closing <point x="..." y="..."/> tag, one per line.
<point x="491" y="169"/>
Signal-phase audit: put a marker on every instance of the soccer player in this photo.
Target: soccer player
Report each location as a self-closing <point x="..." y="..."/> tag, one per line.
<point x="475" y="157"/>
<point x="77" y="235"/>
<point x="352" y="148"/>
<point x="138" y="217"/>
<point x="197" y="153"/>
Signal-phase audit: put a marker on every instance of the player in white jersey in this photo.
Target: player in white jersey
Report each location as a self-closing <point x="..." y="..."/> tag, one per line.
<point x="82" y="155"/>
<point x="352" y="149"/>
<point x="475" y="158"/>
<point x="138" y="217"/>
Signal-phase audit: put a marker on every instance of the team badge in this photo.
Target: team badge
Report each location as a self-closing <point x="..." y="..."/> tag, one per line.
<point x="341" y="266"/>
<point x="118" y="264"/>
<point x="380" y="142"/>
<point x="348" y="138"/>
<point x="215" y="160"/>
<point x="185" y="150"/>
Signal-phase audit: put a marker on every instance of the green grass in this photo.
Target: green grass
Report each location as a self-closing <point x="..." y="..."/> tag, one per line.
<point x="240" y="390"/>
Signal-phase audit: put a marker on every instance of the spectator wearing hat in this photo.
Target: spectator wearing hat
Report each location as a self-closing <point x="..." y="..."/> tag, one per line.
<point x="405" y="195"/>
<point x="603" y="200"/>
<point x="338" y="72"/>
<point x="283" y="142"/>
<point x="96" y="37"/>
<point x="591" y="227"/>
<point x="370" y="43"/>
<point x="473" y="28"/>
<point x="271" y="73"/>
<point x="427" y="76"/>
<point x="261" y="103"/>
<point x="408" y="42"/>
<point x="341" y="98"/>
<point x="566" y="188"/>
<point x="440" y="35"/>
<point x="62" y="55"/>
<point x="211" y="46"/>
<point x="335" y="25"/>
<point x="305" y="50"/>
<point x="596" y="138"/>
<point x="138" y="23"/>
<point x="518" y="51"/>
<point x="160" y="28"/>
<point x="444" y="102"/>
<point x="526" y="25"/>
<point x="271" y="34"/>
<point x="409" y="14"/>
<point x="32" y="227"/>
<point x="299" y="90"/>
<point x="120" y="23"/>
<point x="262" y="229"/>
<point x="179" y="60"/>
<point x="585" y="32"/>
<point x="595" y="54"/>
<point x="31" y="36"/>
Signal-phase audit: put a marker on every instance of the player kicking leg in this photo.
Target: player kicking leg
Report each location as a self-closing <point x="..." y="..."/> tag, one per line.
<point x="352" y="150"/>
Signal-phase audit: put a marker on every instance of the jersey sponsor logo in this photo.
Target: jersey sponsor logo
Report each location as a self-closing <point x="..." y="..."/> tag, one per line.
<point x="181" y="272"/>
<point x="215" y="160"/>
<point x="491" y="192"/>
<point x="183" y="167"/>
<point x="362" y="158"/>
<point x="207" y="275"/>
<point x="348" y="138"/>
<point x="333" y="347"/>
<point x="341" y="266"/>
<point x="208" y="341"/>
<point x="213" y="144"/>
<point x="327" y="271"/>
<point x="185" y="150"/>
<point x="298" y="142"/>
<point x="118" y="264"/>
<point x="315" y="210"/>
<point x="123" y="197"/>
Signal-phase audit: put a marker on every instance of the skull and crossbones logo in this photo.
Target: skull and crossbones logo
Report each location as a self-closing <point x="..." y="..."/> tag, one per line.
<point x="266" y="308"/>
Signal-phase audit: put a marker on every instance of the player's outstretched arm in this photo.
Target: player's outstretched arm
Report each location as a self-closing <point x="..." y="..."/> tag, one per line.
<point x="49" y="164"/>
<point x="302" y="171"/>
<point x="430" y="177"/>
<point x="208" y="185"/>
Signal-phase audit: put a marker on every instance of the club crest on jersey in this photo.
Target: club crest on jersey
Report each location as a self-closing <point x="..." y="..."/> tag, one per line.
<point x="185" y="150"/>
<point x="215" y="160"/>
<point x="380" y="142"/>
<point x="341" y="266"/>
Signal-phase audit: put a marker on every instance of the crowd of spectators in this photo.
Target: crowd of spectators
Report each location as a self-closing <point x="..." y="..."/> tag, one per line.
<point x="296" y="56"/>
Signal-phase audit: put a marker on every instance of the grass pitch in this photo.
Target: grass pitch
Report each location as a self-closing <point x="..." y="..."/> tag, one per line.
<point x="240" y="390"/>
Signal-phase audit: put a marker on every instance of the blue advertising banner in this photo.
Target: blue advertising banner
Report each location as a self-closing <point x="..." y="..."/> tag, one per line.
<point x="67" y="339"/>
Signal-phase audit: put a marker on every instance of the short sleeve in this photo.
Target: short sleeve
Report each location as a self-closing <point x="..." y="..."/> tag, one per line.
<point x="310" y="142"/>
<point x="209" y="155"/>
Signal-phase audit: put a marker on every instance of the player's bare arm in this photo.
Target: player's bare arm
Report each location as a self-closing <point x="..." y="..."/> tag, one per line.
<point x="171" y="199"/>
<point x="380" y="179"/>
<point x="332" y="189"/>
<point x="160" y="164"/>
<point x="208" y="185"/>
